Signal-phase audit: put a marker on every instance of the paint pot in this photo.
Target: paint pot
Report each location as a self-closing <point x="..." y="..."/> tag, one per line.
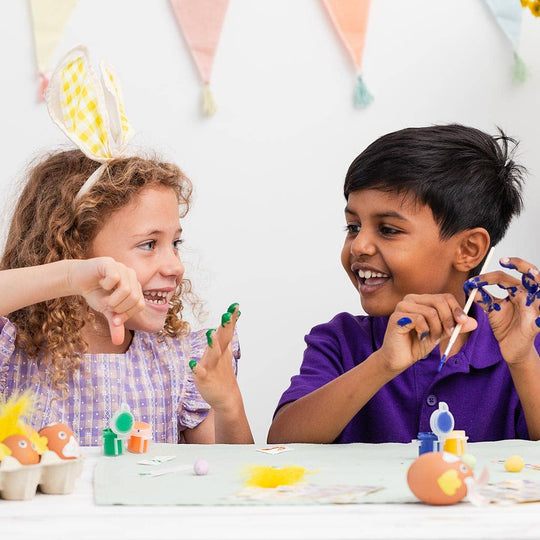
<point x="427" y="442"/>
<point x="456" y="442"/>
<point x="140" y="436"/>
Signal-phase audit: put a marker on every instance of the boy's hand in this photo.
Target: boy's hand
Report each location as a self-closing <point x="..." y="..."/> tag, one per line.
<point x="515" y="320"/>
<point x="214" y="374"/>
<point x="418" y="324"/>
<point x="108" y="287"/>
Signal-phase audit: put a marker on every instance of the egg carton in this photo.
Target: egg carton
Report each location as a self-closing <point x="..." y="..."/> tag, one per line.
<point x="53" y="475"/>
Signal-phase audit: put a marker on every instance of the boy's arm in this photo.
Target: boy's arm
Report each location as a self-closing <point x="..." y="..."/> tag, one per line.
<point x="414" y="329"/>
<point x="320" y="416"/>
<point x="515" y="321"/>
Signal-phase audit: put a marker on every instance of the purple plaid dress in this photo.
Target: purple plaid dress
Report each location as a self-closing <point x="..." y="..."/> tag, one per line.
<point x="153" y="377"/>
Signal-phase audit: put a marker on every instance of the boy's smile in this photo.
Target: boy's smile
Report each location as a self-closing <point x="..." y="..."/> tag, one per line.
<point x="393" y="248"/>
<point x="145" y="236"/>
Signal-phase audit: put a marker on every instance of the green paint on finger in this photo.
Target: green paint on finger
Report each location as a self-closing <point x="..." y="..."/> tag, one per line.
<point x="226" y="318"/>
<point x="192" y="364"/>
<point x="209" y="337"/>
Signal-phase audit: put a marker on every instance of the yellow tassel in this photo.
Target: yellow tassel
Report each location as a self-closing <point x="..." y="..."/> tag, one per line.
<point x="208" y="103"/>
<point x="271" y="477"/>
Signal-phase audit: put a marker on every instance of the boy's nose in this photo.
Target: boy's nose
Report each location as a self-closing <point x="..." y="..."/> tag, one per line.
<point x="363" y="244"/>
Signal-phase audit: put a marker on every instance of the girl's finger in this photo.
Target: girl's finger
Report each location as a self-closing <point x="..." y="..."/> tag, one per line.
<point x="118" y="332"/>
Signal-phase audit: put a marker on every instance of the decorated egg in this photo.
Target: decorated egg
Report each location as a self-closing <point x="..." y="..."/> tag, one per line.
<point x="22" y="449"/>
<point x="439" y="478"/>
<point x="61" y="440"/>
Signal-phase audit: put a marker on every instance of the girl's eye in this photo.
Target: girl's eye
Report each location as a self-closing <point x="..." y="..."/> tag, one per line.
<point x="178" y="243"/>
<point x="352" y="229"/>
<point x="148" y="245"/>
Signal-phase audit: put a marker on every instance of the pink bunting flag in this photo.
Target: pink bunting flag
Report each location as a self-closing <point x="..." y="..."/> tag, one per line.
<point x="201" y="22"/>
<point x="350" y="18"/>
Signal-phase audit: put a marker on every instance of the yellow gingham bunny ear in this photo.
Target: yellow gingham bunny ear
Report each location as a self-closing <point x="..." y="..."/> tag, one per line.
<point x="91" y="113"/>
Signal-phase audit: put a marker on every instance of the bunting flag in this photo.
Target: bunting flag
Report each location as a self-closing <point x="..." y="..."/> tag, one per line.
<point x="508" y="13"/>
<point x="201" y="22"/>
<point x="49" y="18"/>
<point x="350" y="18"/>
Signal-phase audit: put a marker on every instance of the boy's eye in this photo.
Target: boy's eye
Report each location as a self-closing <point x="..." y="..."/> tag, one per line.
<point x="352" y="229"/>
<point x="389" y="231"/>
<point x="178" y="243"/>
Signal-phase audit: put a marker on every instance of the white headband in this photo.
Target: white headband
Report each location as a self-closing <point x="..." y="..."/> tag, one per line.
<point x="91" y="113"/>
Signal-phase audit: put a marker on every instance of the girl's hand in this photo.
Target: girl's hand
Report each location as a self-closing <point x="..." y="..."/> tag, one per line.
<point x="417" y="325"/>
<point x="108" y="287"/>
<point x="214" y="374"/>
<point x="515" y="320"/>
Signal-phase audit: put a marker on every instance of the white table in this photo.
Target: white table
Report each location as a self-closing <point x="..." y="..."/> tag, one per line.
<point x="76" y="517"/>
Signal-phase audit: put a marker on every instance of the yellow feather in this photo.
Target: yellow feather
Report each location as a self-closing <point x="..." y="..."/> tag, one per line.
<point x="11" y="411"/>
<point x="271" y="477"/>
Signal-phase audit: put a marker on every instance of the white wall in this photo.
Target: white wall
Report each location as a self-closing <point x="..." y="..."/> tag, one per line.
<point x="267" y="223"/>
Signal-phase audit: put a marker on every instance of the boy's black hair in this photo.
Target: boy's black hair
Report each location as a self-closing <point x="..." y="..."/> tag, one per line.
<point x="466" y="177"/>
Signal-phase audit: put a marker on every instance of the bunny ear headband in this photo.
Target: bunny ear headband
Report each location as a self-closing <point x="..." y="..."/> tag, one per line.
<point x="89" y="111"/>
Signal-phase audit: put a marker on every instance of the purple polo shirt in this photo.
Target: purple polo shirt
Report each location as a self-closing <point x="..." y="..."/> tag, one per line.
<point x="475" y="383"/>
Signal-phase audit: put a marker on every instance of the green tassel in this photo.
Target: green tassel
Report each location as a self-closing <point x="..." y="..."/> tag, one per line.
<point x="520" y="72"/>
<point x="362" y="97"/>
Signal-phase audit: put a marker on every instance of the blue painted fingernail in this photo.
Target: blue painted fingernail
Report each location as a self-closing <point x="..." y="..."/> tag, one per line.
<point x="537" y="321"/>
<point x="404" y="321"/>
<point x="424" y="335"/>
<point x="505" y="262"/>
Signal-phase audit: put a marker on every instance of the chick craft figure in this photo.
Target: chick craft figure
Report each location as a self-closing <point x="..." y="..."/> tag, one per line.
<point x="89" y="111"/>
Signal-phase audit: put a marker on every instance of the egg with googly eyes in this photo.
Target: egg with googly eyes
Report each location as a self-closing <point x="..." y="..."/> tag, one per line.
<point x="22" y="449"/>
<point x="439" y="478"/>
<point x="61" y="440"/>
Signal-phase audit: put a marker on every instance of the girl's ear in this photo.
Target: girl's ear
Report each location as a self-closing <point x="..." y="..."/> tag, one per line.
<point x="472" y="248"/>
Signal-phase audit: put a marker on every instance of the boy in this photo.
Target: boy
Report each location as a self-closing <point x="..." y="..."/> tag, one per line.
<point x="424" y="205"/>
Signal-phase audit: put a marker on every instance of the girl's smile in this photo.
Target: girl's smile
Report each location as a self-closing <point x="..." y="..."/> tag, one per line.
<point x="145" y="236"/>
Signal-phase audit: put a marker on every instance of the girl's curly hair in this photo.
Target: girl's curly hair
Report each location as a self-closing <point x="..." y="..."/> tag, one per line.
<point x="48" y="226"/>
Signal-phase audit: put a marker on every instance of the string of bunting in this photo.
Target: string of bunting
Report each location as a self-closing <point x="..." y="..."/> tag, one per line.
<point x="201" y="23"/>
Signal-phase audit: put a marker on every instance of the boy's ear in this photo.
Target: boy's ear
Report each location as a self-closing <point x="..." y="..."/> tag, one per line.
<point x="472" y="248"/>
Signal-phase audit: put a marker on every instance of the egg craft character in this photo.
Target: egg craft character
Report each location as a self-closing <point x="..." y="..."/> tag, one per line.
<point x="22" y="449"/>
<point x="61" y="440"/>
<point x="439" y="478"/>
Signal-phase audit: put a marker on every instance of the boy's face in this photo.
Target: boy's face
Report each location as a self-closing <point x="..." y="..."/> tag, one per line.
<point x="392" y="248"/>
<point x="145" y="236"/>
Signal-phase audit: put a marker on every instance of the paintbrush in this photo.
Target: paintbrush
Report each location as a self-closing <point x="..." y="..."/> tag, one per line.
<point x="468" y="305"/>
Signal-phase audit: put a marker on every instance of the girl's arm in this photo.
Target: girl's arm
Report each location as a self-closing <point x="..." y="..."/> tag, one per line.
<point x="216" y="381"/>
<point x="515" y="321"/>
<point x="108" y="287"/>
<point x="417" y="325"/>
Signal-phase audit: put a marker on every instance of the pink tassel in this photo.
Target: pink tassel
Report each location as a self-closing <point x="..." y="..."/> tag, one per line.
<point x="44" y="82"/>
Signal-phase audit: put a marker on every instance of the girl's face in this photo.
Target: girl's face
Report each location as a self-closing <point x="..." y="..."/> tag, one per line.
<point x="145" y="236"/>
<point x="393" y="248"/>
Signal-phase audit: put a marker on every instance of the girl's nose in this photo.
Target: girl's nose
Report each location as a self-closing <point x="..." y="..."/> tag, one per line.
<point x="363" y="244"/>
<point x="173" y="266"/>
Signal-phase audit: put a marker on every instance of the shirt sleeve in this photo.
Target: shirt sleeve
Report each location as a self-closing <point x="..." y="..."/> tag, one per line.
<point x="194" y="409"/>
<point x="8" y="333"/>
<point x="322" y="363"/>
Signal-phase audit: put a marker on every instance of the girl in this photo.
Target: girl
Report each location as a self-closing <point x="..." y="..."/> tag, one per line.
<point x="92" y="297"/>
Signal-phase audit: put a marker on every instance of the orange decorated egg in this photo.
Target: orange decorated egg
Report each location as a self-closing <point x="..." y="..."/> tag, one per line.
<point x="22" y="449"/>
<point x="439" y="478"/>
<point x="61" y="440"/>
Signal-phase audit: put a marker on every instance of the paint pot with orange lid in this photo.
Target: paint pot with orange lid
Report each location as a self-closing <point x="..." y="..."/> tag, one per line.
<point x="456" y="442"/>
<point x="140" y="437"/>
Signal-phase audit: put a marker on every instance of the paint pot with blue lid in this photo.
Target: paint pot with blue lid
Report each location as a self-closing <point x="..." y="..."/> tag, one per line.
<point x="427" y="442"/>
<point x="441" y="422"/>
